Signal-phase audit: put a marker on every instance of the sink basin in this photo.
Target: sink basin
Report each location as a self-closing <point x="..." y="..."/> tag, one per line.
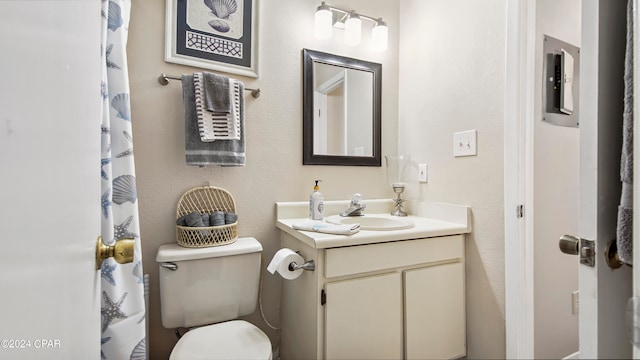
<point x="380" y="222"/>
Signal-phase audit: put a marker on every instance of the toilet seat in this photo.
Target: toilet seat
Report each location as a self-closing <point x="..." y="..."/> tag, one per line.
<point x="235" y="339"/>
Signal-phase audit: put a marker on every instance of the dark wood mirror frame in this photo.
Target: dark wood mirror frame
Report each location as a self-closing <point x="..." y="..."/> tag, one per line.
<point x="309" y="158"/>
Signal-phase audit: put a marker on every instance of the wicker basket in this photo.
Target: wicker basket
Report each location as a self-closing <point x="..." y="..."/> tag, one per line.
<point x="206" y="199"/>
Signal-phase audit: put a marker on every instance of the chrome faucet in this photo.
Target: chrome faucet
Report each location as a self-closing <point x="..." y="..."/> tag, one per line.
<point x="356" y="207"/>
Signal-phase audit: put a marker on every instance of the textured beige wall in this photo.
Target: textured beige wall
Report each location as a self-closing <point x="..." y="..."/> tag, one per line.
<point x="452" y="75"/>
<point x="274" y="170"/>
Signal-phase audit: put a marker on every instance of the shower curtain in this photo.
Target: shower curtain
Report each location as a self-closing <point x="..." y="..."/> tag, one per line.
<point x="123" y="305"/>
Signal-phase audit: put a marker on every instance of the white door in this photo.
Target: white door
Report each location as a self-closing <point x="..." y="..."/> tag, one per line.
<point x="49" y="188"/>
<point x="603" y="292"/>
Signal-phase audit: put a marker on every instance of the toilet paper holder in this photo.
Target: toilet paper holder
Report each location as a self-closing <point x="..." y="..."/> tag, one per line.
<point x="309" y="265"/>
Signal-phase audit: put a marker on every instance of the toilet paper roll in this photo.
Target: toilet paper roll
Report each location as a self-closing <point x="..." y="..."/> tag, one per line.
<point x="281" y="261"/>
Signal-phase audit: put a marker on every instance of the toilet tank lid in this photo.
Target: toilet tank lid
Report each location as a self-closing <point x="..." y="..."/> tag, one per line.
<point x="175" y="252"/>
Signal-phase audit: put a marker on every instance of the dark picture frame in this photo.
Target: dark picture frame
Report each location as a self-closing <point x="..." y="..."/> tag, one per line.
<point x="218" y="35"/>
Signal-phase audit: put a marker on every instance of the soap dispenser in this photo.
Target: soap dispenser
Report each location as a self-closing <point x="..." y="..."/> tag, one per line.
<point x="316" y="203"/>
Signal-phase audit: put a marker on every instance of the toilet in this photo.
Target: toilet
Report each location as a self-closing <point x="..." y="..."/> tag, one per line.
<point x="209" y="288"/>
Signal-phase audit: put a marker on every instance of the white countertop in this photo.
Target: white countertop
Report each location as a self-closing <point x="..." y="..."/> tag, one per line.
<point x="431" y="219"/>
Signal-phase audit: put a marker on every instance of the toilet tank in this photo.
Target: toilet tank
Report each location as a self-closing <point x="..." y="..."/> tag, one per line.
<point x="200" y="286"/>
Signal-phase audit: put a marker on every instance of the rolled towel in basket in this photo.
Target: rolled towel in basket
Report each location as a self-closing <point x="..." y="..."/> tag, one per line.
<point x="230" y="218"/>
<point x="205" y="219"/>
<point x="194" y="219"/>
<point x="217" y="218"/>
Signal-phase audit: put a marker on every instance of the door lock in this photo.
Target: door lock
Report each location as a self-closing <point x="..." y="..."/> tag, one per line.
<point x="573" y="245"/>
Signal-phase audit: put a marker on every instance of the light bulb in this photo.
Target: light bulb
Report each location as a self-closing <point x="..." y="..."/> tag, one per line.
<point x="352" y="29"/>
<point x="323" y="22"/>
<point x="379" y="36"/>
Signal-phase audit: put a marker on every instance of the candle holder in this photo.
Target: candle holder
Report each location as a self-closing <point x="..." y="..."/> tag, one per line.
<point x="398" y="201"/>
<point x="397" y="169"/>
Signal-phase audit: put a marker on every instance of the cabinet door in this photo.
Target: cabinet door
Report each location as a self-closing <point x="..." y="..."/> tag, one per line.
<point x="363" y="318"/>
<point x="435" y="312"/>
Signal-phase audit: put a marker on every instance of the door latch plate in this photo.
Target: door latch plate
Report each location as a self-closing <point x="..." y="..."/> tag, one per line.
<point x="587" y="252"/>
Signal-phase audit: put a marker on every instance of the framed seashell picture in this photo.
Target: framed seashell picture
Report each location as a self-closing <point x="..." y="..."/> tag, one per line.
<point x="218" y="35"/>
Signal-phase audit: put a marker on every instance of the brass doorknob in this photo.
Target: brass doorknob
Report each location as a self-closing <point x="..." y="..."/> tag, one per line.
<point x="121" y="252"/>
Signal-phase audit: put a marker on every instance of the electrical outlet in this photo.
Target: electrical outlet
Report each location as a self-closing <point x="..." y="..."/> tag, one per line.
<point x="422" y="173"/>
<point x="575" y="302"/>
<point x="464" y="143"/>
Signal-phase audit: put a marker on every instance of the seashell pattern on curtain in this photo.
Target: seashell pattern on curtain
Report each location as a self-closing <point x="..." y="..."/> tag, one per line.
<point x="122" y="286"/>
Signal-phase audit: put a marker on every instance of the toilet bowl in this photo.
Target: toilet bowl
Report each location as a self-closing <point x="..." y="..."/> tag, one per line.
<point x="207" y="289"/>
<point x="236" y="339"/>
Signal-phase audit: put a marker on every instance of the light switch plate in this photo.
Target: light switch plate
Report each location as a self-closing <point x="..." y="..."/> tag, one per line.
<point x="422" y="173"/>
<point x="464" y="143"/>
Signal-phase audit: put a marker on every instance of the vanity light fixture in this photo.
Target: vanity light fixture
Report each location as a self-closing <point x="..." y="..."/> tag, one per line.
<point x="352" y="29"/>
<point x="327" y="17"/>
<point x="379" y="35"/>
<point x="323" y="22"/>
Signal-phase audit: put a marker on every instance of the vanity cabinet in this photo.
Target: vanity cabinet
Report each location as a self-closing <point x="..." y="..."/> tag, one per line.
<point x="388" y="300"/>
<point x="435" y="312"/>
<point x="363" y="318"/>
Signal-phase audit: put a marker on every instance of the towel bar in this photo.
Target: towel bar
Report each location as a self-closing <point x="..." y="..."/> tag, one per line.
<point x="163" y="79"/>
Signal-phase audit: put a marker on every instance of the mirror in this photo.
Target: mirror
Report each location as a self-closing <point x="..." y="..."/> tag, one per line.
<point x="341" y="110"/>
